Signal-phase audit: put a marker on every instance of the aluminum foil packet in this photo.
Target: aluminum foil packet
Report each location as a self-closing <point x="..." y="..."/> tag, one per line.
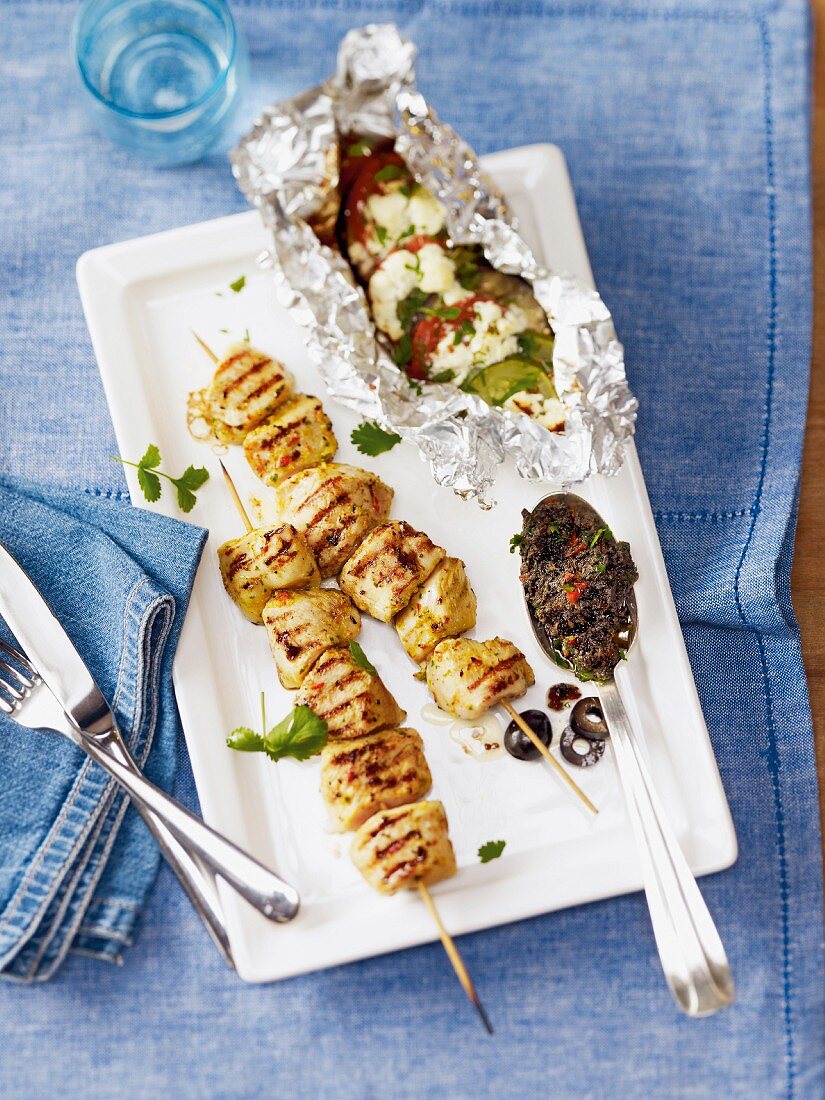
<point x="287" y="166"/>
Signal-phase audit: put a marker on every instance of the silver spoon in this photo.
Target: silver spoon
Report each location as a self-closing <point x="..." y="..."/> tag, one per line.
<point x="693" y="958"/>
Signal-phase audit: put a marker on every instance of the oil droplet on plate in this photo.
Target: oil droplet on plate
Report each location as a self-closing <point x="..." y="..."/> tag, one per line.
<point x="480" y="738"/>
<point x="436" y="716"/>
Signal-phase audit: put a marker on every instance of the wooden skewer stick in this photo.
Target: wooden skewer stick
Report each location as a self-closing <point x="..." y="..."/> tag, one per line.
<point x="230" y="484"/>
<point x="446" y="939"/>
<point x="205" y="347"/>
<point x="455" y="957"/>
<point x="522" y="725"/>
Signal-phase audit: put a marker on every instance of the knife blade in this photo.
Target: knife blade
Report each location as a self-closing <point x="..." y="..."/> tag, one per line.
<point x="33" y="623"/>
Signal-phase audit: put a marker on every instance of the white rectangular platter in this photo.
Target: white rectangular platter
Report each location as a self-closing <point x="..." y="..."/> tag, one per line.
<point x="141" y="299"/>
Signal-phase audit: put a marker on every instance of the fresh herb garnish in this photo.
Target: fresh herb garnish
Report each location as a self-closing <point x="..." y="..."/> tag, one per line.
<point x="361" y="659"/>
<point x="599" y="567"/>
<point x="515" y="542"/>
<point x="371" y="439"/>
<point x="491" y="850"/>
<point x="602" y="531"/>
<point x="415" y="385"/>
<point x="403" y="350"/>
<point x="148" y="474"/>
<point x="224" y="330"/>
<point x="466" y="268"/>
<point x="407" y="309"/>
<point x="443" y="376"/>
<point x="246" y="335"/>
<point x="239" y="284"/>
<point x="415" y="266"/>
<point x="301" y="734"/>
<point x="446" y="313"/>
<point x="381" y="234"/>
<point x="622" y="653"/>
<point x="408" y="232"/>
<point x="466" y="328"/>
<point x="407" y="189"/>
<point x="389" y="172"/>
<point x="359" y="149"/>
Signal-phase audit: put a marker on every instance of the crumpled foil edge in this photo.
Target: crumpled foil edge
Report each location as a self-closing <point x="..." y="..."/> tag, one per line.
<point x="287" y="167"/>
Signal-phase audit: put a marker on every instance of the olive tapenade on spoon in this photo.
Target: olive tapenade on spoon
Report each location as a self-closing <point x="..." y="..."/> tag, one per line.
<point x="578" y="581"/>
<point x="578" y="586"/>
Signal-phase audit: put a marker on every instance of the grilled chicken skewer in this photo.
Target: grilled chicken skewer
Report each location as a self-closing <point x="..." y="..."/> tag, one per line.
<point x="428" y="853"/>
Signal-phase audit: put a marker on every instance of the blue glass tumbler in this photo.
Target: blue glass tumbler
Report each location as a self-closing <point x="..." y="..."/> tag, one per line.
<point x="164" y="77"/>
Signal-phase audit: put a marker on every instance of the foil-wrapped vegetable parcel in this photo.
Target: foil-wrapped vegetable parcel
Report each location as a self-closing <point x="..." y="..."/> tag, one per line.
<point x="424" y="308"/>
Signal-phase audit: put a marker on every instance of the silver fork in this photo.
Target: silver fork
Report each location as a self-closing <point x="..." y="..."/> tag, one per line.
<point x="27" y="700"/>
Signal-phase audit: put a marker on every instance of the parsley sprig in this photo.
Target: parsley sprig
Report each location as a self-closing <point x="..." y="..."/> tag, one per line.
<point x="148" y="475"/>
<point x="301" y="734"/>
<point x="371" y="439"/>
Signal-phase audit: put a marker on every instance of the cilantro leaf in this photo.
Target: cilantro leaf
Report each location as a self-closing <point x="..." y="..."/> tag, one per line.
<point x="491" y="850"/>
<point x="149" y="476"/>
<point x="381" y="233"/>
<point x="301" y="734"/>
<point x="371" y="439"/>
<point x="408" y="232"/>
<point x="515" y="542"/>
<point x="238" y="284"/>
<point x="359" y="149"/>
<point x="188" y="484"/>
<point x="243" y="739"/>
<point x="151" y="458"/>
<point x="149" y="484"/>
<point x="389" y="172"/>
<point x="361" y="659"/>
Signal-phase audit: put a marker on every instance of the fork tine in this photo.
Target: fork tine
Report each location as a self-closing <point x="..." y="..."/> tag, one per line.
<point x="15" y="693"/>
<point x="20" y="659"/>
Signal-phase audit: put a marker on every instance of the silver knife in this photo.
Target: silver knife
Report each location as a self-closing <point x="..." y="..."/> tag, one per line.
<point x="51" y="651"/>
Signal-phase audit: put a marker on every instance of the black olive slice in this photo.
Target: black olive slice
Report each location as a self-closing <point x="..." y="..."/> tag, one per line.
<point x="579" y="750"/>
<point x="519" y="745"/>
<point x="587" y="719"/>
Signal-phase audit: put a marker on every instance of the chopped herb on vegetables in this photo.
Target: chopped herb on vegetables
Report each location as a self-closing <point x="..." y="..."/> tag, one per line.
<point x="389" y="172"/>
<point x="515" y="542"/>
<point x="403" y="350"/>
<point x="359" y="149"/>
<point x="408" y="232"/>
<point x="466" y="328"/>
<point x="381" y="234"/>
<point x="407" y="309"/>
<point x="148" y="474"/>
<point x="371" y="439"/>
<point x="443" y="376"/>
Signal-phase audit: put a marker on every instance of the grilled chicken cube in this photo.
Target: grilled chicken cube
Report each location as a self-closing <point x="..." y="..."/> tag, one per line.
<point x="298" y="435"/>
<point x="466" y="678"/>
<point x="335" y="505"/>
<point x="302" y="625"/>
<point x="247" y="388"/>
<point x="264" y="561"/>
<point x="350" y="699"/>
<point x="388" y="566"/>
<point x="443" y="607"/>
<point x="398" y="849"/>
<point x="361" y="775"/>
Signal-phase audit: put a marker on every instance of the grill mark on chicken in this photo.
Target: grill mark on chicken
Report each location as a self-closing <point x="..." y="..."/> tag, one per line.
<point x="235" y="385"/>
<point x="397" y="844"/>
<point x="499" y="670"/>
<point x="236" y="564"/>
<point x="406" y="866"/>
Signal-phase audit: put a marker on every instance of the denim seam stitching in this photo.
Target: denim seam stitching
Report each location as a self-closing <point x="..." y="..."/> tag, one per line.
<point x="82" y="776"/>
<point x="773" y="760"/>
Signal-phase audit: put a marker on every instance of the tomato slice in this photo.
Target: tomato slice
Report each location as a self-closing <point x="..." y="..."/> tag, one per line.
<point x="364" y="186"/>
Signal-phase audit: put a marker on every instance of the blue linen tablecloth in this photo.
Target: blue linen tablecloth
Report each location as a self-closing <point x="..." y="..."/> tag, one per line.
<point x="685" y="125"/>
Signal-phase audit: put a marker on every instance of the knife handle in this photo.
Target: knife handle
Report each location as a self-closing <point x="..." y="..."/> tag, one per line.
<point x="262" y="888"/>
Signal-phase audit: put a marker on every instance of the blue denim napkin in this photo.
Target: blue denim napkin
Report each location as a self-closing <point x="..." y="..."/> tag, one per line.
<point x="685" y="124"/>
<point x="77" y="862"/>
